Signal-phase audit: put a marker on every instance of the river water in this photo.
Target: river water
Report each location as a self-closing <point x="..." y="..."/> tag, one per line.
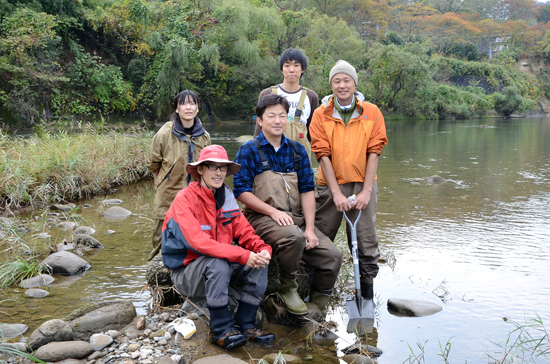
<point x="477" y="245"/>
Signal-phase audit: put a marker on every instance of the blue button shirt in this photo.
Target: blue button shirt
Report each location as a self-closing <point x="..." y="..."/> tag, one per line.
<point x="280" y="161"/>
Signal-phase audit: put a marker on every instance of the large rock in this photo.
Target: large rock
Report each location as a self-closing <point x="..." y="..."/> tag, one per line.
<point x="61" y="350"/>
<point x="84" y="230"/>
<point x="400" y="307"/>
<point x="37" y="281"/>
<point x="117" y="212"/>
<point x="51" y="330"/>
<point x="87" y="240"/>
<point x="100" y="317"/>
<point x="65" y="262"/>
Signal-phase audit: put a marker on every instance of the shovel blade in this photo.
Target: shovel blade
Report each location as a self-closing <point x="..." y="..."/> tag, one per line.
<point x="361" y="316"/>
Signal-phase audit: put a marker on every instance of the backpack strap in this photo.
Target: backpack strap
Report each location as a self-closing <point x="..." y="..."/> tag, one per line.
<point x="301" y="103"/>
<point x="274" y="90"/>
<point x="265" y="164"/>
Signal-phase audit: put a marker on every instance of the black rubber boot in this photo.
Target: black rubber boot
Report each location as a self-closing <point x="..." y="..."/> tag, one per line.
<point x="367" y="290"/>
<point x="245" y="319"/>
<point x="223" y="329"/>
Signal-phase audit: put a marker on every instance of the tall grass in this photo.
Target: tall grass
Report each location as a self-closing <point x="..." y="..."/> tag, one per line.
<point x="14" y="271"/>
<point x="59" y="166"/>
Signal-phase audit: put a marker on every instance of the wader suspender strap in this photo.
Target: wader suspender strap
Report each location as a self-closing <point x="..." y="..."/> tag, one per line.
<point x="190" y="152"/>
<point x="265" y="164"/>
<point x="303" y="95"/>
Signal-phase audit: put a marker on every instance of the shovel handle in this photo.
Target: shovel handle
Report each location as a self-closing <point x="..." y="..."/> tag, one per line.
<point x="354" y="253"/>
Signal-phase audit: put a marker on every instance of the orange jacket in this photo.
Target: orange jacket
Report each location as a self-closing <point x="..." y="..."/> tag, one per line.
<point x="347" y="146"/>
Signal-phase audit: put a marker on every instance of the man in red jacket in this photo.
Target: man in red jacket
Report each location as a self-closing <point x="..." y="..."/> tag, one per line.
<point x="197" y="245"/>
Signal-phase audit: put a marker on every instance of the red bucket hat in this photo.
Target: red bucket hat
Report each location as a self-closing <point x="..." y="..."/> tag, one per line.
<point x="213" y="153"/>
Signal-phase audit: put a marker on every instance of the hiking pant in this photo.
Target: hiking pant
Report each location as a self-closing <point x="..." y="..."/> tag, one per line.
<point x="328" y="220"/>
<point x="210" y="277"/>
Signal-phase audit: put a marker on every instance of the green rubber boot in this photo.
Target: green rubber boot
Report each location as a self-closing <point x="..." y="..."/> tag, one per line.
<point x="288" y="293"/>
<point x="321" y="300"/>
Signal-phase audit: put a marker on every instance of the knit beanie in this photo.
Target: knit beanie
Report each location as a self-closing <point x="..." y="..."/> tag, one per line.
<point x="343" y="67"/>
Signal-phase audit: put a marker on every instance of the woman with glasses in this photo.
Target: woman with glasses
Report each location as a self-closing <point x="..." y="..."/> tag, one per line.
<point x="198" y="238"/>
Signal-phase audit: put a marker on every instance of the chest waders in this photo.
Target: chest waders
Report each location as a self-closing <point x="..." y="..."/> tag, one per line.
<point x="280" y="190"/>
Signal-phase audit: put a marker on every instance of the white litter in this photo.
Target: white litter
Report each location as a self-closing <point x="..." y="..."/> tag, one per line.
<point x="184" y="326"/>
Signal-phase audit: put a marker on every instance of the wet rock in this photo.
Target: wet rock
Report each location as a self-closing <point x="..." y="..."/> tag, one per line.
<point x="224" y="358"/>
<point x="64" y="245"/>
<point x="435" y="179"/>
<point x="36" y="293"/>
<point x="9" y="331"/>
<point x="84" y="230"/>
<point x="117" y="212"/>
<point x="110" y="315"/>
<point x="37" y="281"/>
<point x="63" y="208"/>
<point x="100" y="341"/>
<point x="65" y="262"/>
<point x="87" y="240"/>
<point x="400" y="307"/>
<point x="67" y="225"/>
<point x="364" y="349"/>
<point x="326" y="338"/>
<point x="288" y="358"/>
<point x="111" y="201"/>
<point x="62" y="350"/>
<point x="49" y="331"/>
<point x="357" y="359"/>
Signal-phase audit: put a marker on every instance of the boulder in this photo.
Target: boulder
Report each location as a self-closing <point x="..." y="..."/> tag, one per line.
<point x="62" y="350"/>
<point x="63" y="208"/>
<point x="49" y="331"/>
<point x="111" y="201"/>
<point x="117" y="212"/>
<point x="36" y="281"/>
<point x="65" y="262"/>
<point x="36" y="293"/>
<point x="412" y="308"/>
<point x="87" y="240"/>
<point x="100" y="341"/>
<point x="100" y="317"/>
<point x="9" y="331"/>
<point x="84" y="230"/>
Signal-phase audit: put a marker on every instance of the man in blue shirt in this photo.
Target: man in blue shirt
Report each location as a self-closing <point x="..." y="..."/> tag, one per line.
<point x="276" y="185"/>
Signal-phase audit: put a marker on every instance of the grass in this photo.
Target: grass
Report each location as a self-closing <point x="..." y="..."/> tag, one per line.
<point x="15" y="352"/>
<point x="14" y="271"/>
<point x="50" y="167"/>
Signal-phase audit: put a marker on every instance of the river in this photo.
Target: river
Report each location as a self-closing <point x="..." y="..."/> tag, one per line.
<point x="478" y="245"/>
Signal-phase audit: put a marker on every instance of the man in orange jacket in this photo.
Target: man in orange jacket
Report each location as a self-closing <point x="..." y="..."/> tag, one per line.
<point x="347" y="136"/>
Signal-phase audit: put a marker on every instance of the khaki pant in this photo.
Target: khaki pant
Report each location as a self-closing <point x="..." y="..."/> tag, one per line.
<point x="328" y="220"/>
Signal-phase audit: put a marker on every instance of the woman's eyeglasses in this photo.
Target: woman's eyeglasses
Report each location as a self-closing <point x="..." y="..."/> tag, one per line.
<point x="214" y="167"/>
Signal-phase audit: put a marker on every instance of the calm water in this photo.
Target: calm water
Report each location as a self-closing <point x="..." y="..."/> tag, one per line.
<point x="478" y="245"/>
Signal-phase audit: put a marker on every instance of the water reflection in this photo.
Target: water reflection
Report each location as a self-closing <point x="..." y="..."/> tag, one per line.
<point x="478" y="244"/>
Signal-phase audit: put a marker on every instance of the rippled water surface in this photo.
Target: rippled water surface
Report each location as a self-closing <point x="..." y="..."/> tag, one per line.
<point x="478" y="245"/>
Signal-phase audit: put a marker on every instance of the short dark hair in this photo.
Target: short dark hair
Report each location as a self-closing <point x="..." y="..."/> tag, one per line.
<point x="270" y="100"/>
<point x="182" y="96"/>
<point x="293" y="54"/>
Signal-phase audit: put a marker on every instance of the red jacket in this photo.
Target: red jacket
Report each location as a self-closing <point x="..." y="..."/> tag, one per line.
<point x="193" y="227"/>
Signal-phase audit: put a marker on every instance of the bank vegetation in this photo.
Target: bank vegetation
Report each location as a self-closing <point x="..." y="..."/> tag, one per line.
<point x="77" y="60"/>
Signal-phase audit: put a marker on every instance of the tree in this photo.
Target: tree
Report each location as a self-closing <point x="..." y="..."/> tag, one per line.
<point x="509" y="102"/>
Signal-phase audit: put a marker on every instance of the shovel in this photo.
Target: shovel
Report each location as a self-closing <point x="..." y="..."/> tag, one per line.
<point x="360" y="311"/>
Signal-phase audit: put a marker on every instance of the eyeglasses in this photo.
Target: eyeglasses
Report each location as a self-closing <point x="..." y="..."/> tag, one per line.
<point x="214" y="167"/>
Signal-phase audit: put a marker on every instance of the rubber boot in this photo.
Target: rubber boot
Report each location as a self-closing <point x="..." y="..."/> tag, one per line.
<point x="224" y="333"/>
<point x="321" y="300"/>
<point x="245" y="319"/>
<point x="367" y="290"/>
<point x="288" y="293"/>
